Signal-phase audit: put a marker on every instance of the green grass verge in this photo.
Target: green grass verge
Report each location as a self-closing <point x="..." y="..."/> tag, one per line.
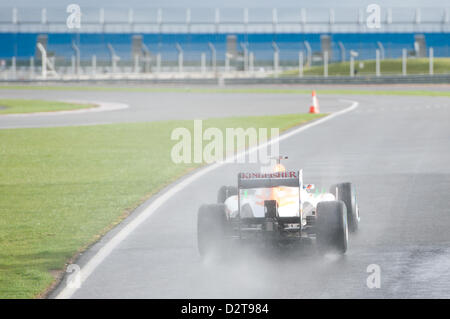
<point x="64" y="187"/>
<point x="387" y="67"/>
<point x="249" y="90"/>
<point x="13" y="106"/>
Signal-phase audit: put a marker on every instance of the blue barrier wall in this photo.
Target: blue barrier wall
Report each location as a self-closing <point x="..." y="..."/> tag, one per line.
<point x="23" y="45"/>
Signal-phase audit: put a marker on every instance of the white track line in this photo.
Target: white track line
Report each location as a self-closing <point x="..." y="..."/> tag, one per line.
<point x="100" y="256"/>
<point x="101" y="107"/>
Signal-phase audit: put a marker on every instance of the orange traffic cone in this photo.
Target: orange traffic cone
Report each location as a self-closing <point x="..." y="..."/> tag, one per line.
<point x="314" y="108"/>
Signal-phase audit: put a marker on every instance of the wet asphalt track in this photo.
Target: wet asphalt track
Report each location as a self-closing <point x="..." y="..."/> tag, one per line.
<point x="158" y="106"/>
<point x="395" y="149"/>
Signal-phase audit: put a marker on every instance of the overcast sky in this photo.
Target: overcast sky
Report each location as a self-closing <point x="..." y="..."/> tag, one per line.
<point x="225" y="3"/>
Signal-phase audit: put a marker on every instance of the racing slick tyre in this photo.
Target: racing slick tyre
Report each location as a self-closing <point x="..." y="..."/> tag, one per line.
<point x="346" y="193"/>
<point x="225" y="192"/>
<point x="211" y="230"/>
<point x="331" y="226"/>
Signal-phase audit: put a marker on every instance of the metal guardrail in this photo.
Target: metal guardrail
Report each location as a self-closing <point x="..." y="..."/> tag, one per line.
<point x="245" y="66"/>
<point x="410" y="79"/>
<point x="369" y="79"/>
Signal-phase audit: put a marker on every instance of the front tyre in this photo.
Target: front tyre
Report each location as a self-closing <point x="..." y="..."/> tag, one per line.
<point x="225" y="192"/>
<point x="211" y="230"/>
<point x="346" y="193"/>
<point x="331" y="226"/>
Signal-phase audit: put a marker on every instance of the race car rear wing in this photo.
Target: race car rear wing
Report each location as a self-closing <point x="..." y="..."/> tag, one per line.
<point x="267" y="180"/>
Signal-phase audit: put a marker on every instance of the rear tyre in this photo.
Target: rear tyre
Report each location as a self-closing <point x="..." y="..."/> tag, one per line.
<point x="331" y="226"/>
<point x="211" y="230"/>
<point x="346" y="193"/>
<point x="225" y="192"/>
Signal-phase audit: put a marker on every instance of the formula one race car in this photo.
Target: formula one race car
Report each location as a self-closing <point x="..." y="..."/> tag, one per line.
<point x="278" y="209"/>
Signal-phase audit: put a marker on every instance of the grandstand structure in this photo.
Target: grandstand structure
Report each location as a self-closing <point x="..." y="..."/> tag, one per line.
<point x="202" y="40"/>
